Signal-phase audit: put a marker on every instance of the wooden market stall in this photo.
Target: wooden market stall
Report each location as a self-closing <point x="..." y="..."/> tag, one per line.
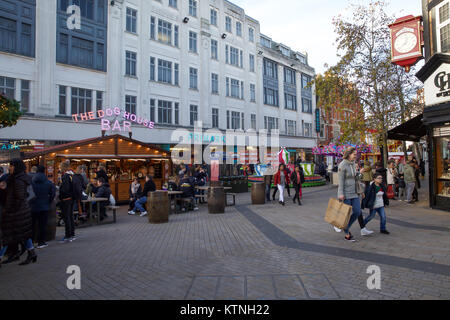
<point x="123" y="158"/>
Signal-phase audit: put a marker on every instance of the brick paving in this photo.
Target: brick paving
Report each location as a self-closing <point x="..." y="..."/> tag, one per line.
<point x="250" y="252"/>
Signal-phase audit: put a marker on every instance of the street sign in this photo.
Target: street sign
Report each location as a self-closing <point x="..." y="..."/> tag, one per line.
<point x="317" y="120"/>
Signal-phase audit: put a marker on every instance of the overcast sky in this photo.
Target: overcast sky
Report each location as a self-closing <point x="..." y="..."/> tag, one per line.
<point x="306" y="25"/>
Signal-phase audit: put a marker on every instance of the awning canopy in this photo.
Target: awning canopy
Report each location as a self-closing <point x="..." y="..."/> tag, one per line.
<point x="411" y="130"/>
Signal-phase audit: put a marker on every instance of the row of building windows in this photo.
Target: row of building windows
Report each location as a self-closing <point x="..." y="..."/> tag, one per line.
<point x="213" y="18"/>
<point x="161" y="111"/>
<point x="8" y="89"/>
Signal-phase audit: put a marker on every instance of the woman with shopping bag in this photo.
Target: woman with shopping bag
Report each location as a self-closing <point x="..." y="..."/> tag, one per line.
<point x="349" y="189"/>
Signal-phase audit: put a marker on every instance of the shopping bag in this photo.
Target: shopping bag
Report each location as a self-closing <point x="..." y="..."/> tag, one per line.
<point x="390" y="192"/>
<point x="338" y="213"/>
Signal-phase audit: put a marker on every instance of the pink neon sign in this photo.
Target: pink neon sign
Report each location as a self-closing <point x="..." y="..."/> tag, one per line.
<point x="117" y="126"/>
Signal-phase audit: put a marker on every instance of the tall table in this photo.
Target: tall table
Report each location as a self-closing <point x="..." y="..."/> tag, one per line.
<point x="97" y="200"/>
<point x="207" y="187"/>
<point x="172" y="196"/>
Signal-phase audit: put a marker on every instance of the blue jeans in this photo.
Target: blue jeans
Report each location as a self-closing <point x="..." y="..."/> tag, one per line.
<point x="28" y="246"/>
<point x="139" y="204"/>
<point x="382" y="215"/>
<point x="356" y="211"/>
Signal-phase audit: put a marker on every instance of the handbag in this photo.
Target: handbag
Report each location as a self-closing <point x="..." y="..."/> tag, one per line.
<point x="360" y="186"/>
<point x="338" y="213"/>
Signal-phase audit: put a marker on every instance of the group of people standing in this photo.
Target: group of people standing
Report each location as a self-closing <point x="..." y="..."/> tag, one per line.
<point x="26" y="200"/>
<point x="367" y="187"/>
<point x="402" y="180"/>
<point x="282" y="180"/>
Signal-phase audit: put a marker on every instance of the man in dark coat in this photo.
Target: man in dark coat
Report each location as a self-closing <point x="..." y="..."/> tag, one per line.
<point x="16" y="216"/>
<point x="78" y="187"/>
<point x="66" y="198"/>
<point x="44" y="191"/>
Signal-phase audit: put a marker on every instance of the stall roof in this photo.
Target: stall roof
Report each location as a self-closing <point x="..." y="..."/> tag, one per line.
<point x="411" y="130"/>
<point x="79" y="143"/>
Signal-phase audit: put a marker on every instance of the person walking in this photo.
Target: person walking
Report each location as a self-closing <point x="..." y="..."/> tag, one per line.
<point x="417" y="182"/>
<point x="66" y="196"/>
<point x="281" y="179"/>
<point x="376" y="200"/>
<point x="347" y="190"/>
<point x="379" y="169"/>
<point x="268" y="181"/>
<point x="410" y="180"/>
<point x="44" y="191"/>
<point x="391" y="176"/>
<point x="16" y="223"/>
<point x="149" y="186"/>
<point x="297" y="178"/>
<point x="134" y="192"/>
<point x="367" y="173"/>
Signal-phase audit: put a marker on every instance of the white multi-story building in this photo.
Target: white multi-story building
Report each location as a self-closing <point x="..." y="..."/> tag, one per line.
<point x="170" y="61"/>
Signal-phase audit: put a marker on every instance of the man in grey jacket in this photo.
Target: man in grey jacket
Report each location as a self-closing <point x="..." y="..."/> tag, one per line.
<point x="347" y="189"/>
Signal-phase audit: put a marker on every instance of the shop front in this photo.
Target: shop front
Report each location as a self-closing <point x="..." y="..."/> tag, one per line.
<point x="122" y="157"/>
<point x="436" y="77"/>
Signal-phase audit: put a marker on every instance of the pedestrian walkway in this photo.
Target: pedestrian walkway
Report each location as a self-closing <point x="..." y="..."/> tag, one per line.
<point x="250" y="252"/>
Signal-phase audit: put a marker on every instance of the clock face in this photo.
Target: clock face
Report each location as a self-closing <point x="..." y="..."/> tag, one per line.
<point x="405" y="42"/>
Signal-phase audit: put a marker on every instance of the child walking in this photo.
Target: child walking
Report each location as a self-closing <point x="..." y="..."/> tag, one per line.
<point x="376" y="199"/>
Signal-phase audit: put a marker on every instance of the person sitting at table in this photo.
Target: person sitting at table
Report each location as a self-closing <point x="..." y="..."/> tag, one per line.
<point x="91" y="188"/>
<point x="149" y="186"/>
<point x="173" y="183"/>
<point x="134" y="192"/>
<point x="187" y="187"/>
<point x="103" y="191"/>
<point x="101" y="173"/>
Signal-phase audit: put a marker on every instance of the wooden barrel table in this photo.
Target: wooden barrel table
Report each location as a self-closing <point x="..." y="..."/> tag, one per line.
<point x="158" y="207"/>
<point x="216" y="200"/>
<point x="258" y="193"/>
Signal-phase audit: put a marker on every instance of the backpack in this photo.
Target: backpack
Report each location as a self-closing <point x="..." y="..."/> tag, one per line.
<point x="68" y="188"/>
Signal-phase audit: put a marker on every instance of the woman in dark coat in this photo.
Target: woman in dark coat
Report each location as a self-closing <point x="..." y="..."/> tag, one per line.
<point x="16" y="216"/>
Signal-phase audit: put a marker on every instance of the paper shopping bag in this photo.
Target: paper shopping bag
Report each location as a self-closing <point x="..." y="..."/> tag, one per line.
<point x="338" y="213"/>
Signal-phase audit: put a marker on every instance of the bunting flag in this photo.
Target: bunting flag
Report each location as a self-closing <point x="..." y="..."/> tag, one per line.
<point x="283" y="156"/>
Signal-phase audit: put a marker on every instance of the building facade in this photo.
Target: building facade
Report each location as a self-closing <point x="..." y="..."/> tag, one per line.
<point x="172" y="62"/>
<point x="435" y="75"/>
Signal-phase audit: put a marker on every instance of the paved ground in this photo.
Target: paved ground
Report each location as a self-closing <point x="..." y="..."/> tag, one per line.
<point x="250" y="252"/>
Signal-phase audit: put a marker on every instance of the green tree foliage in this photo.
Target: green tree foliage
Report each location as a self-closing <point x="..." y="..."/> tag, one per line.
<point x="9" y="112"/>
<point x="385" y="90"/>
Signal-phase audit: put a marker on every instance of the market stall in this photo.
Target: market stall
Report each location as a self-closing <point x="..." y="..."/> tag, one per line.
<point x="123" y="158"/>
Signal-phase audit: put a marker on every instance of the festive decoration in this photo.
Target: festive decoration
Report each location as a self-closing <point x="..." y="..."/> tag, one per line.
<point x="9" y="112"/>
<point x="338" y="150"/>
<point x="283" y="156"/>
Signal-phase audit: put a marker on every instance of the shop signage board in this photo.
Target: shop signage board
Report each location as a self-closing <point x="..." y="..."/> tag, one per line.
<point x="113" y="125"/>
<point x="437" y="86"/>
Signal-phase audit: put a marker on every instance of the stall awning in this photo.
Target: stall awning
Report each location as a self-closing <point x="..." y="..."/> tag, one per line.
<point x="411" y="130"/>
